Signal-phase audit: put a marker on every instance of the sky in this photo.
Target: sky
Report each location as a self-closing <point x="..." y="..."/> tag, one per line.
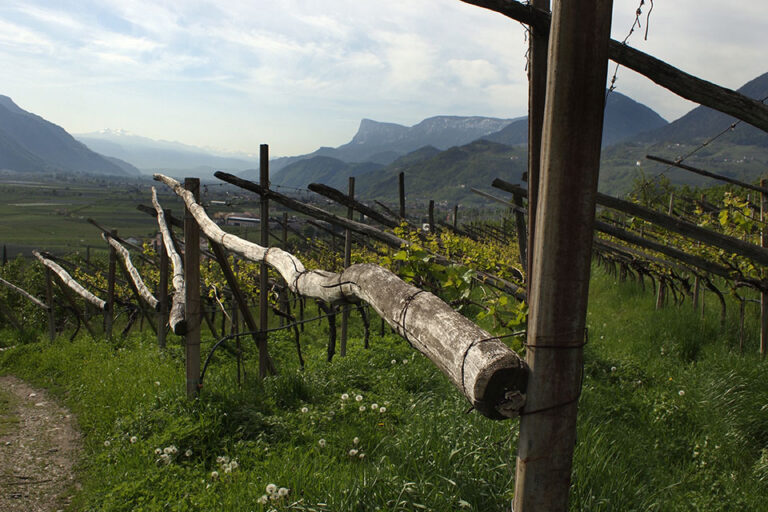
<point x="300" y="74"/>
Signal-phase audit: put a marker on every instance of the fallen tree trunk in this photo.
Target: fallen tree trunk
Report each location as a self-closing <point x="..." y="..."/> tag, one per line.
<point x="490" y="375"/>
<point x="71" y="282"/>
<point x="141" y="288"/>
<point x="176" y="316"/>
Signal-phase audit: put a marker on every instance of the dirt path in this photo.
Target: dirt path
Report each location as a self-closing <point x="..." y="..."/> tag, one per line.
<point x="38" y="446"/>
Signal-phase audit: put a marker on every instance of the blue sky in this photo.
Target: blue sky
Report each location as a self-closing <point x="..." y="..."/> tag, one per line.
<point x="299" y="74"/>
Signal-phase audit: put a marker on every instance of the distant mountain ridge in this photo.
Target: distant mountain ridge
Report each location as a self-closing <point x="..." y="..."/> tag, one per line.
<point x="383" y="143"/>
<point x="624" y="118"/>
<point x="174" y="158"/>
<point x="29" y="143"/>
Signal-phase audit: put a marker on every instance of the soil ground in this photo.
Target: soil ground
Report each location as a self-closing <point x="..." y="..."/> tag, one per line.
<point x="39" y="444"/>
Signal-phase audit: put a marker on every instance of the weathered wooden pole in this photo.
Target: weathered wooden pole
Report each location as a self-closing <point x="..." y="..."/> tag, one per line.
<point x="538" y="44"/>
<point x="455" y="217"/>
<point x="347" y="263"/>
<point x="401" y="193"/>
<point x="162" y="294"/>
<point x="763" y="295"/>
<point x="522" y="234"/>
<point x="49" y="300"/>
<point x="431" y="215"/>
<point x="192" y="315"/>
<point x="578" y="59"/>
<point x="109" y="313"/>
<point x="263" y="268"/>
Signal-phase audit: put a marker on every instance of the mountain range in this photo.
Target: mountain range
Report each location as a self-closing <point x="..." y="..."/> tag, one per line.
<point x="29" y="143"/>
<point x="442" y="156"/>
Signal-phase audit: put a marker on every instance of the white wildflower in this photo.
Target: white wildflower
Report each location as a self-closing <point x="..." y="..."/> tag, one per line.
<point x="133" y="439"/>
<point x="352" y="452"/>
<point x="107" y="443"/>
<point x="681" y="393"/>
<point x="188" y="453"/>
<point x="356" y="440"/>
<point x="158" y="451"/>
<point x="234" y="464"/>
<point x="405" y="361"/>
<point x="304" y="410"/>
<point x="165" y="458"/>
<point x="282" y="492"/>
<point x="271" y="488"/>
<point x="374" y="407"/>
<point x="359" y="398"/>
<point x="394" y="361"/>
<point x="344" y="396"/>
<point x="263" y="500"/>
<point x="362" y="408"/>
<point x="214" y="475"/>
<point x="382" y="410"/>
<point x="361" y="456"/>
<point x="321" y="443"/>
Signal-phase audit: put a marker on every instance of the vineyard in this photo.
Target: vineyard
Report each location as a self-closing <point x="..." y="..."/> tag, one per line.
<point x="212" y="372"/>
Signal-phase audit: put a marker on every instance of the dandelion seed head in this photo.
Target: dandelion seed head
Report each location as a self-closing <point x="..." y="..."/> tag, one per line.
<point x="359" y="398"/>
<point x="304" y="410"/>
<point x="263" y="500"/>
<point x="188" y="453"/>
<point x="271" y="488"/>
<point x="374" y="407"/>
<point x="133" y="439"/>
<point x="362" y="408"/>
<point x="681" y="393"/>
<point x="107" y="443"/>
<point x="344" y="396"/>
<point x="321" y="443"/>
<point x="158" y="451"/>
<point x="382" y="410"/>
<point x="352" y="452"/>
<point x="214" y="475"/>
<point x="282" y="492"/>
<point x="356" y="440"/>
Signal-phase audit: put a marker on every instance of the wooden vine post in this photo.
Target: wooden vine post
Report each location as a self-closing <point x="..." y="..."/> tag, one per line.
<point x="578" y="59"/>
<point x="192" y="292"/>
<point x="537" y="85"/>
<point x="263" y="268"/>
<point x="401" y="193"/>
<point x="49" y="300"/>
<point x="763" y="294"/>
<point x="347" y="262"/>
<point x="109" y="313"/>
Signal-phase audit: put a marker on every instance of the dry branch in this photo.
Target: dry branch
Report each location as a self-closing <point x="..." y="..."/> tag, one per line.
<point x="176" y="317"/>
<point x="489" y="374"/>
<point x="144" y="292"/>
<point x="71" y="282"/>
<point x="24" y="293"/>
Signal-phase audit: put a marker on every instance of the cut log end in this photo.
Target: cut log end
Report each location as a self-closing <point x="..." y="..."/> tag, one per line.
<point x="500" y="388"/>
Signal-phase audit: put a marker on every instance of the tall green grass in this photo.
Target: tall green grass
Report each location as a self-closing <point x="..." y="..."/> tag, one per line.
<point x="671" y="418"/>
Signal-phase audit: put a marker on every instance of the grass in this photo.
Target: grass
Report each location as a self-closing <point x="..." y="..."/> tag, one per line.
<point x="642" y="444"/>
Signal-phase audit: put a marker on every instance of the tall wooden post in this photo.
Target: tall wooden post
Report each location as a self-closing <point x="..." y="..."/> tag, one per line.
<point x="109" y="313"/>
<point x="49" y="300"/>
<point x="763" y="295"/>
<point x="537" y="87"/>
<point x="263" y="269"/>
<point x="455" y="216"/>
<point x="192" y="292"/>
<point x="347" y="263"/>
<point x="162" y="293"/>
<point x="401" y="193"/>
<point x="578" y="59"/>
<point x="522" y="234"/>
<point x="285" y="230"/>
<point x="431" y="216"/>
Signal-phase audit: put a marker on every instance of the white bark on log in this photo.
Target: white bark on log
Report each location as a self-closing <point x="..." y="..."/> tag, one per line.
<point x="178" y="301"/>
<point x="135" y="277"/>
<point x="491" y="376"/>
<point x="24" y="293"/>
<point x="71" y="282"/>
